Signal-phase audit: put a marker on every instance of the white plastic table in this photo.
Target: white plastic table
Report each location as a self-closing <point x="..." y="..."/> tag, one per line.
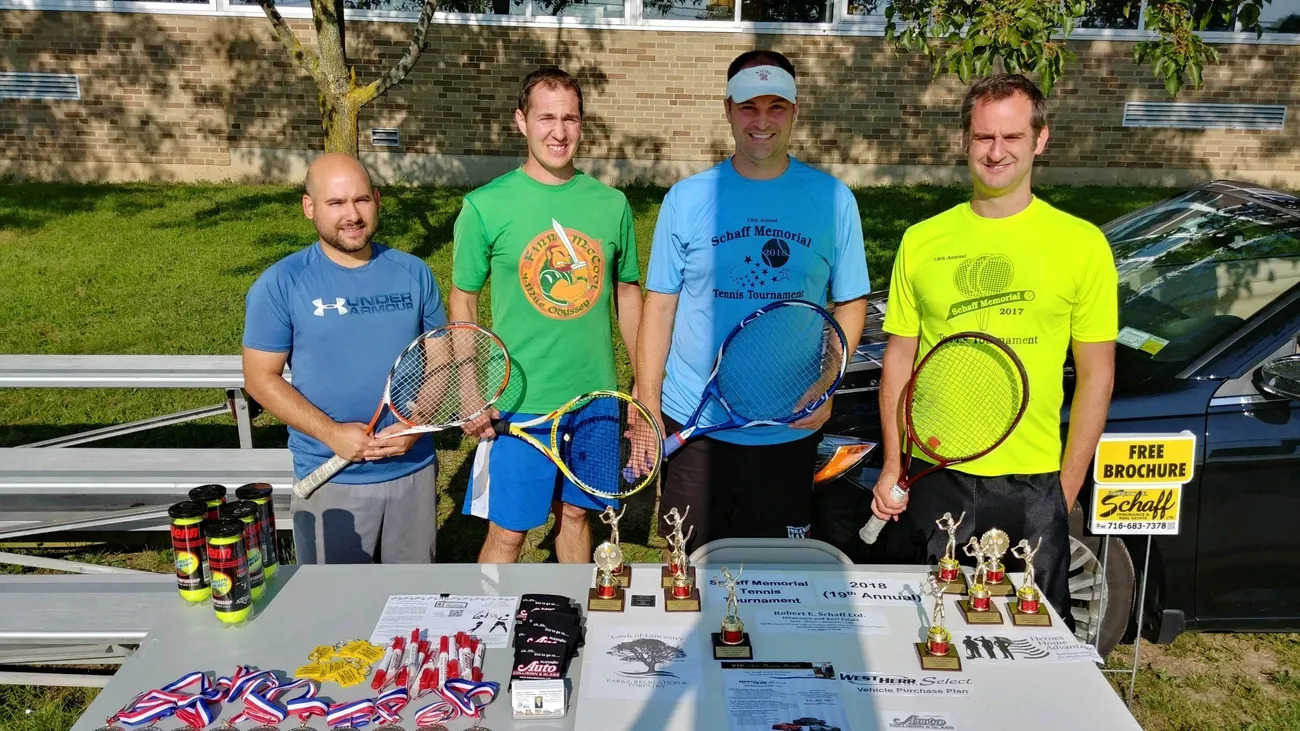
<point x="307" y="606"/>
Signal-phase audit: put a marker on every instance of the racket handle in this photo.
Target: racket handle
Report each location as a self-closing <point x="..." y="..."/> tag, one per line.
<point x="321" y="475"/>
<point x="672" y="444"/>
<point x="871" y="531"/>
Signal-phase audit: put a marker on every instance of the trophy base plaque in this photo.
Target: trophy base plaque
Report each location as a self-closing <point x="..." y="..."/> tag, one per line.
<point x="977" y="616"/>
<point x="948" y="661"/>
<point x="953" y="586"/>
<point x="688" y="603"/>
<point x="742" y="650"/>
<point x="1002" y="588"/>
<point x="598" y="603"/>
<point x="623" y="578"/>
<point x="1039" y="618"/>
<point x="666" y="576"/>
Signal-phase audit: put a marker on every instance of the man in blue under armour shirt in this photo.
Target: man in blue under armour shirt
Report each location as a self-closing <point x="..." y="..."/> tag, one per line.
<point x="757" y="227"/>
<point x="338" y="313"/>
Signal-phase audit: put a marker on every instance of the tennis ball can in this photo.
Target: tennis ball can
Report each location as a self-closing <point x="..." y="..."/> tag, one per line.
<point x="259" y="493"/>
<point x="246" y="513"/>
<point x="232" y="596"/>
<point x="192" y="574"/>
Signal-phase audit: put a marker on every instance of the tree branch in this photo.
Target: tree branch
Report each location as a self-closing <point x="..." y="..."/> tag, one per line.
<point x="404" y="66"/>
<point x="305" y="58"/>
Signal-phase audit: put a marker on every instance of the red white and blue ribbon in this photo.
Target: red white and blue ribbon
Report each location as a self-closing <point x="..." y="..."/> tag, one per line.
<point x="469" y="697"/>
<point x="435" y="713"/>
<point x="389" y="705"/>
<point x="355" y="713"/>
<point x="191" y="708"/>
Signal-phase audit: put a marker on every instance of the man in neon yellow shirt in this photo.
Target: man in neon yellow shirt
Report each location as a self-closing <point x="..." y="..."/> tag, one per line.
<point x="1008" y="264"/>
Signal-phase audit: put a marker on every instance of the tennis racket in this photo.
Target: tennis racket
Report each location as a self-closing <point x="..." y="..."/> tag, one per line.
<point x="964" y="398"/>
<point x="605" y="442"/>
<point x="778" y="365"/>
<point x="444" y="378"/>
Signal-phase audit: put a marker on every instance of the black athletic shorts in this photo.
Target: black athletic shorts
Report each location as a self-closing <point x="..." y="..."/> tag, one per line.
<point x="1025" y="506"/>
<point x="739" y="491"/>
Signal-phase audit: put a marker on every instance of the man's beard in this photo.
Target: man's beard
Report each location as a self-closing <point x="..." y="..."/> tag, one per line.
<point x="337" y="242"/>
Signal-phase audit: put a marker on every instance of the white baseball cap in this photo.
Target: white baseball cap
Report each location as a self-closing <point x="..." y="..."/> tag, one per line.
<point x="761" y="81"/>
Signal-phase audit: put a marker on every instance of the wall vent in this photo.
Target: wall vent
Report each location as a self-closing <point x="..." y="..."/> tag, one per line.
<point x="20" y="85"/>
<point x="385" y="137"/>
<point x="1204" y="116"/>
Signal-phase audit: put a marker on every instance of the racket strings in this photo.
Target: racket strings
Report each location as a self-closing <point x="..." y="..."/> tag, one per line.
<point x="965" y="399"/>
<point x="449" y="377"/>
<point x="783" y="360"/>
<point x="610" y="443"/>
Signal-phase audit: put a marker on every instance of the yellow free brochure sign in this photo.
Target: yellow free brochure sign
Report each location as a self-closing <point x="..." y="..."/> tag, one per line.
<point x="1144" y="459"/>
<point x="1146" y="510"/>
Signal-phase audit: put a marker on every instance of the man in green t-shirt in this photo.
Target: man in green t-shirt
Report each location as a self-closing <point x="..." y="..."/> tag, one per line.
<point x="552" y="301"/>
<point x="1008" y="264"/>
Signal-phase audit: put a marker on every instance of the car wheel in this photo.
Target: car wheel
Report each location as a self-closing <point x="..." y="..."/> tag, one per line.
<point x="1089" y="590"/>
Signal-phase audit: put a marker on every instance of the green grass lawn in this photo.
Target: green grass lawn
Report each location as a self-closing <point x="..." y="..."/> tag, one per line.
<point x="164" y="269"/>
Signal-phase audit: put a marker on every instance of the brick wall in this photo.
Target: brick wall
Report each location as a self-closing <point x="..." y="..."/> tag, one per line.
<point x="201" y="97"/>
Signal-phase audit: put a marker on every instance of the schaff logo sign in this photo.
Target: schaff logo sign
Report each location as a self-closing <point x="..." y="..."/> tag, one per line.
<point x="1136" y="510"/>
<point x="922" y="721"/>
<point x="894" y="684"/>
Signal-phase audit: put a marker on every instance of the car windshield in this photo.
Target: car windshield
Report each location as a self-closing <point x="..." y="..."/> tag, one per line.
<point x="1194" y="268"/>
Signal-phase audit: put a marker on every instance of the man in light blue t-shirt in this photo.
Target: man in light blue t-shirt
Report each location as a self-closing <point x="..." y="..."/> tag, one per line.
<point x="756" y="228"/>
<point x="338" y="313"/>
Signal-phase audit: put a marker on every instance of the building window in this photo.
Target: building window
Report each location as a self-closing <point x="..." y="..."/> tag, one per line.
<point x="689" y="9"/>
<point x="1110" y="14"/>
<point x="874" y="9"/>
<point x="786" y="11"/>
<point x="596" y="9"/>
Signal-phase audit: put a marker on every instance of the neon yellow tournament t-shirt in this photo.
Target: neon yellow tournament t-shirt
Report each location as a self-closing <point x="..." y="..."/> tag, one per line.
<point x="1035" y="280"/>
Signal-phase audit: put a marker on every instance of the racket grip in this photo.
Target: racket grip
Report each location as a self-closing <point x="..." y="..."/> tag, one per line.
<point x="672" y="444"/>
<point x="321" y="475"/>
<point x="871" y="531"/>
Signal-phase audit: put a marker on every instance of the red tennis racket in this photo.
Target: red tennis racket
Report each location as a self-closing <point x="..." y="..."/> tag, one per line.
<point x="964" y="398"/>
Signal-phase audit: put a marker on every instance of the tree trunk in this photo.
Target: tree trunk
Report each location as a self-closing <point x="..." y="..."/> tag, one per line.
<point x="339" y="119"/>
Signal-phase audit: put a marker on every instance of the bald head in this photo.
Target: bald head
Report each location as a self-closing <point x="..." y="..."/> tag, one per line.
<point x="342" y="203"/>
<point x="332" y="165"/>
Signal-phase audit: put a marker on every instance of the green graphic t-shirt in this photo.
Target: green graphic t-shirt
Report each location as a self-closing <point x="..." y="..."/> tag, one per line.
<point x="1035" y="280"/>
<point x="551" y="298"/>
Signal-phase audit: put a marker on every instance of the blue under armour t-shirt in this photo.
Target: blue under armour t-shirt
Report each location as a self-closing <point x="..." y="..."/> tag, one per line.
<point x="727" y="245"/>
<point x="343" y="328"/>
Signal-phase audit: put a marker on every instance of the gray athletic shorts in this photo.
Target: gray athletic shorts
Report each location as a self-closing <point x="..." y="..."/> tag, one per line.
<point x="394" y="522"/>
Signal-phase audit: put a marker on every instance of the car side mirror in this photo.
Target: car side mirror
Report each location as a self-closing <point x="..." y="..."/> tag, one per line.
<point x="1280" y="377"/>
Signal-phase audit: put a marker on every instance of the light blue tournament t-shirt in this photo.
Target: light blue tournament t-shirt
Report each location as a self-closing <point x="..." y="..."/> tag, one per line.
<point x="343" y="329"/>
<point x="728" y="245"/>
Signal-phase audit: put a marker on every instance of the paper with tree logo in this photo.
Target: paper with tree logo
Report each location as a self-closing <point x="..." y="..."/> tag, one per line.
<point x="642" y="663"/>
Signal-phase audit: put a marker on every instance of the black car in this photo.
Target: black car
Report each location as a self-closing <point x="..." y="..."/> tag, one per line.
<point x="1214" y="273"/>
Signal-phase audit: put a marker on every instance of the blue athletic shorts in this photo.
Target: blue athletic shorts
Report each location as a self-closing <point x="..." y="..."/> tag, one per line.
<point x="512" y="484"/>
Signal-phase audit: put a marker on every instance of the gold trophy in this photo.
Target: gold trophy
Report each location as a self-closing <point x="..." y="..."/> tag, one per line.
<point x="681" y="595"/>
<point x="1028" y="610"/>
<point x="995" y="543"/>
<point x="937" y="652"/>
<point x="622" y="574"/>
<point x="978" y="608"/>
<point x="607" y="595"/>
<point x="949" y="571"/>
<point x="732" y="643"/>
<point x="676" y="548"/>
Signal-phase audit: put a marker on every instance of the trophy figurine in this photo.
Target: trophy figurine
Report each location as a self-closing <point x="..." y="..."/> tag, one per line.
<point x="937" y="652"/>
<point x="622" y="574"/>
<point x="995" y="543"/>
<point x="732" y="643"/>
<point x="949" y="570"/>
<point x="978" y="608"/>
<point x="676" y="549"/>
<point x="682" y="595"/>
<point x="1028" y="609"/>
<point x="607" y="595"/>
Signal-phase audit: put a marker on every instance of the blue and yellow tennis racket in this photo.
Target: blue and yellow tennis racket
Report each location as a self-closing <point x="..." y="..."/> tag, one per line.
<point x="777" y="366"/>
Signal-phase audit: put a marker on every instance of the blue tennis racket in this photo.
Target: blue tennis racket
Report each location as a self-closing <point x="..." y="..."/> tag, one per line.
<point x="777" y="366"/>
